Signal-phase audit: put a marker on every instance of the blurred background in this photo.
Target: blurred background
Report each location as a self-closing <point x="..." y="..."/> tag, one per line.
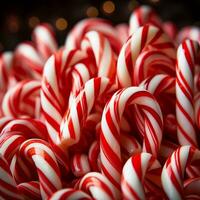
<point x="18" y="18"/>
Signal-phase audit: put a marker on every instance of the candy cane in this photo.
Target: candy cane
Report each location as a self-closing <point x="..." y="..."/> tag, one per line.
<point x="171" y="29"/>
<point x="76" y="116"/>
<point x="93" y="156"/>
<point x="30" y="190"/>
<point x="152" y="62"/>
<point x="80" y="165"/>
<point x="9" y="144"/>
<point x="174" y="169"/>
<point x="134" y="173"/>
<point x="189" y="32"/>
<point x="21" y="100"/>
<point x="4" y="121"/>
<point x="75" y="36"/>
<point x="16" y="132"/>
<point x="55" y="88"/>
<point x="98" y="186"/>
<point x="191" y="188"/>
<point x="146" y="36"/>
<point x="70" y="194"/>
<point x="129" y="146"/>
<point x="163" y="88"/>
<point x="123" y="32"/>
<point x="80" y="74"/>
<point x="28" y="126"/>
<point x="197" y="109"/>
<point x="46" y="164"/>
<point x="142" y="16"/>
<point x="27" y="62"/>
<point x="5" y="70"/>
<point x="11" y="138"/>
<point x="45" y="41"/>
<point x="186" y="54"/>
<point x="8" y="189"/>
<point x="103" y="53"/>
<point x="109" y="139"/>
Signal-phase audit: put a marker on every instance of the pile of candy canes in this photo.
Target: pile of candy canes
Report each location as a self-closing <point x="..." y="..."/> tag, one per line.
<point x="113" y="114"/>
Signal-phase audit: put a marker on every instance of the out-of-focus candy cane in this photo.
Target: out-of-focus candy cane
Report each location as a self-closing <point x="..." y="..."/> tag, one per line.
<point x="141" y="16"/>
<point x="171" y="29"/>
<point x="189" y="32"/>
<point x="80" y="165"/>
<point x="8" y="187"/>
<point x="98" y="45"/>
<point x="27" y="62"/>
<point x="30" y="190"/>
<point x="75" y="36"/>
<point x="45" y="41"/>
<point x="123" y="32"/>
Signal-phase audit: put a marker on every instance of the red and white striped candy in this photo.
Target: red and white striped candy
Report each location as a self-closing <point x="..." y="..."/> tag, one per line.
<point x="166" y="149"/>
<point x="142" y="16"/>
<point x="110" y="151"/>
<point x="80" y="165"/>
<point x="70" y="194"/>
<point x="16" y="132"/>
<point x="76" y="116"/>
<point x="46" y="164"/>
<point x="45" y="41"/>
<point x="4" y="121"/>
<point x="191" y="188"/>
<point x="11" y="138"/>
<point x="189" y="32"/>
<point x="75" y="36"/>
<point x="98" y="186"/>
<point x="5" y="71"/>
<point x="27" y="62"/>
<point x="152" y="62"/>
<point x="22" y="100"/>
<point x="171" y="29"/>
<point x="163" y="88"/>
<point x="186" y="55"/>
<point x="10" y="144"/>
<point x="56" y="88"/>
<point x="138" y="172"/>
<point x="28" y="126"/>
<point x="80" y="74"/>
<point x="123" y="32"/>
<point x="158" y="84"/>
<point x="145" y="37"/>
<point x="129" y="145"/>
<point x="98" y="45"/>
<point x="197" y="109"/>
<point x="8" y="187"/>
<point x="30" y="190"/>
<point x="173" y="172"/>
<point x="93" y="156"/>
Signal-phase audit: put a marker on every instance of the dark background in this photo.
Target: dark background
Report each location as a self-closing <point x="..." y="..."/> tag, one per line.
<point x="15" y="15"/>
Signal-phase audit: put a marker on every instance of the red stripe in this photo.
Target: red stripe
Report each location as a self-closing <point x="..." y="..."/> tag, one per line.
<point x="145" y="31"/>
